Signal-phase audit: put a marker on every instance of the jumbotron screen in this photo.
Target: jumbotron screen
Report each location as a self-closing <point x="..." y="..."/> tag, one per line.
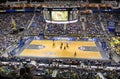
<point x="59" y="15"/>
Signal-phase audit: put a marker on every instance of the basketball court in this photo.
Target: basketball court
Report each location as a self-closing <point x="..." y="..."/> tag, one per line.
<point x="61" y="49"/>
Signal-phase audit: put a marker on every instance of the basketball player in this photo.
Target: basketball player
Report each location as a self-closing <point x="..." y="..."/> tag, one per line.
<point x="61" y="43"/>
<point x="64" y="47"/>
<point x="60" y="47"/>
<point x="53" y="44"/>
<point x="67" y="45"/>
<point x="75" y="54"/>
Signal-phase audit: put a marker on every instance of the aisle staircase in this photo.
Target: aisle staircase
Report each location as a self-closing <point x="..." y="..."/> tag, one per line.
<point x="31" y="21"/>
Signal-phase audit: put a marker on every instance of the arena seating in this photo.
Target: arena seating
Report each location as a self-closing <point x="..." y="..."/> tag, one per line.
<point x="13" y="67"/>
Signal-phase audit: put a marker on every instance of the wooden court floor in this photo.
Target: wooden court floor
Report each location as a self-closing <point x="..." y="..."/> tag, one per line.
<point x="54" y="51"/>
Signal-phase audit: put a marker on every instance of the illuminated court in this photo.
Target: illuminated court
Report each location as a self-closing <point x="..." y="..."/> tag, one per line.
<point x="68" y="49"/>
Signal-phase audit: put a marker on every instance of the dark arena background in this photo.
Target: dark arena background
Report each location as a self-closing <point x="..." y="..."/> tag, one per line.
<point x="59" y="39"/>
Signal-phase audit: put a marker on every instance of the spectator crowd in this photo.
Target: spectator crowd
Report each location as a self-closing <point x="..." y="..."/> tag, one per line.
<point x="34" y="25"/>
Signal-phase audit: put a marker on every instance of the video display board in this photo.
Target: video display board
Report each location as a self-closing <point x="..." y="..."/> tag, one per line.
<point x="59" y="15"/>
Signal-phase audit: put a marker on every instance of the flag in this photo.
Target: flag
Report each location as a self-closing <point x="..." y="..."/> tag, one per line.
<point x="13" y="23"/>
